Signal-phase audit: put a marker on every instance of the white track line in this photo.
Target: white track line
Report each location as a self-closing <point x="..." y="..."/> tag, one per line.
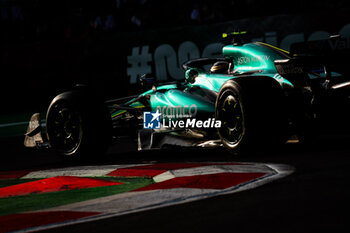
<point x="82" y="171"/>
<point x="213" y="169"/>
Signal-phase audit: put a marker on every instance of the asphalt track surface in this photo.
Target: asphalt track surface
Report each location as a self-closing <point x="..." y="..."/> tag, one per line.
<point x="314" y="198"/>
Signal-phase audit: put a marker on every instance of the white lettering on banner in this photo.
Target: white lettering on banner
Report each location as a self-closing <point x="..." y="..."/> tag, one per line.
<point x="338" y="44"/>
<point x="139" y="62"/>
<point x="167" y="63"/>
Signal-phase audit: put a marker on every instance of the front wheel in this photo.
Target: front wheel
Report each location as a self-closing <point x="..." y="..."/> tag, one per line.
<point x="230" y="111"/>
<point x="251" y="114"/>
<point x="78" y="125"/>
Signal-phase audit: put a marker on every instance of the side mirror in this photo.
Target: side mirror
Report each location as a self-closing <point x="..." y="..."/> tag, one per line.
<point x="147" y="80"/>
<point x="191" y="75"/>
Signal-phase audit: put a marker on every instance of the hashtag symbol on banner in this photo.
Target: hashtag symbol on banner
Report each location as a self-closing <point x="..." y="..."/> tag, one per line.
<point x="139" y="63"/>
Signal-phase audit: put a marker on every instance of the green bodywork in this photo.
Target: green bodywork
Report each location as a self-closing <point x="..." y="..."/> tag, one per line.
<point x="253" y="59"/>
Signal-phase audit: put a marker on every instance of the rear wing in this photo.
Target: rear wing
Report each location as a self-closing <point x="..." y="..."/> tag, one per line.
<point x="333" y="53"/>
<point x="333" y="46"/>
<point x="329" y="55"/>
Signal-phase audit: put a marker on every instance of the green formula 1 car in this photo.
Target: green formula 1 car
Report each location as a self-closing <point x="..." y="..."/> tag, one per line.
<point x="255" y="96"/>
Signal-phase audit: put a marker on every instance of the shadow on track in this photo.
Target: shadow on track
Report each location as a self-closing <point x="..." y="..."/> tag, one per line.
<point x="14" y="156"/>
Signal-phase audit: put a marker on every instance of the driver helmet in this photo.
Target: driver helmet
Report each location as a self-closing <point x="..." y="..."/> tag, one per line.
<point x="220" y="67"/>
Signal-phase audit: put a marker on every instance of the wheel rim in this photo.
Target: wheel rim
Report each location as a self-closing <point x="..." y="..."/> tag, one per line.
<point x="64" y="128"/>
<point x="231" y="115"/>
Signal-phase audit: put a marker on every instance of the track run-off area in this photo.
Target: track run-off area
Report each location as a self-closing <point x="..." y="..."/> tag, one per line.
<point x="57" y="197"/>
<point x="293" y="189"/>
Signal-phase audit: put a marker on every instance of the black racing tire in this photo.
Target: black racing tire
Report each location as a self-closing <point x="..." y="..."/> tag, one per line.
<point x="78" y="125"/>
<point x="252" y="115"/>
